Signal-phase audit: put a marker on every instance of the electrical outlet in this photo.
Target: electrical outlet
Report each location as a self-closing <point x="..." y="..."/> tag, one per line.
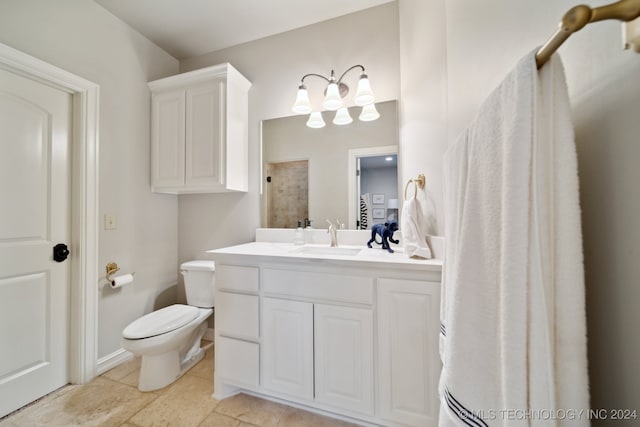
<point x="109" y="222"/>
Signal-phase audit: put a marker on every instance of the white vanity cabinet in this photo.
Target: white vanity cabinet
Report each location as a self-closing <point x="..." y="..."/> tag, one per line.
<point x="287" y="347"/>
<point x="237" y="327"/>
<point x="344" y="357"/>
<point x="317" y="343"/>
<point x="199" y="131"/>
<point x="408" y="357"/>
<point x="319" y="352"/>
<point x="357" y="340"/>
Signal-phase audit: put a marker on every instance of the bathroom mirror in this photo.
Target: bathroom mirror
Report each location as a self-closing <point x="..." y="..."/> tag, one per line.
<point x="313" y="173"/>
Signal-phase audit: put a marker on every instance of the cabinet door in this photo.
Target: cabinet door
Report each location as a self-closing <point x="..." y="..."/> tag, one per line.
<point x="344" y="357"/>
<point x="287" y="347"/>
<point x="408" y="357"/>
<point x="205" y="135"/>
<point x="167" y="139"/>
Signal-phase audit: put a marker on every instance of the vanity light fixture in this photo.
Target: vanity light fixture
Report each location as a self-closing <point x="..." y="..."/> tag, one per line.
<point x="342" y="117"/>
<point x="334" y="93"/>
<point x="369" y="113"/>
<point x="315" y="120"/>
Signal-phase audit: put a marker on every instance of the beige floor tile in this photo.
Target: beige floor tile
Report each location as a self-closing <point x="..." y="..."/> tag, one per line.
<point x="299" y="418"/>
<point x="131" y="379"/>
<point x="123" y="369"/>
<point x="99" y="403"/>
<point x="33" y="407"/>
<point x="252" y="410"/>
<point x="192" y="387"/>
<point x="185" y="403"/>
<point x="218" y="420"/>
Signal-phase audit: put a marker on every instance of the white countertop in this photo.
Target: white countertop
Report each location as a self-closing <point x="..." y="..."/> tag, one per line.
<point x="362" y="254"/>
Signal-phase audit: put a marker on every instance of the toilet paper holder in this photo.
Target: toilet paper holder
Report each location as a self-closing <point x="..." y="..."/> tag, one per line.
<point x="112" y="268"/>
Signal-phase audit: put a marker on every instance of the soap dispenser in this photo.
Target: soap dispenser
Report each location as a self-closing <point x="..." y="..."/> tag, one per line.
<point x="308" y="231"/>
<point x="299" y="239"/>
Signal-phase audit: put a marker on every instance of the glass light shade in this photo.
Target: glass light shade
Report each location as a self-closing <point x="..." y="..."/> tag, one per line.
<point x="315" y="120"/>
<point x="342" y="117"/>
<point x="364" y="94"/>
<point x="302" y="104"/>
<point x="369" y="113"/>
<point x="332" y="99"/>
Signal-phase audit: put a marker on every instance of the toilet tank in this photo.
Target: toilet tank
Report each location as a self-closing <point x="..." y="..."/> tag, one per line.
<point x="199" y="282"/>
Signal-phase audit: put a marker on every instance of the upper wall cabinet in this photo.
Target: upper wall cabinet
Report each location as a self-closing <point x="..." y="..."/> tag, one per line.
<point x="199" y="131"/>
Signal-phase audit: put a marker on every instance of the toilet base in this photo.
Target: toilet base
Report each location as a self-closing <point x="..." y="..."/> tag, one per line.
<point x="160" y="370"/>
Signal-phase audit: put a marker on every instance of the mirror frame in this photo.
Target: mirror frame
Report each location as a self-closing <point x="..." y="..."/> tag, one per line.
<point x="352" y="206"/>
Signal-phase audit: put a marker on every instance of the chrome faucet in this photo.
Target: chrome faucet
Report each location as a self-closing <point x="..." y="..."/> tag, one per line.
<point x="333" y="233"/>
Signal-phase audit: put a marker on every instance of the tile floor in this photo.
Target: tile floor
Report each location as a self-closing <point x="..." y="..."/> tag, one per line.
<point x="113" y="399"/>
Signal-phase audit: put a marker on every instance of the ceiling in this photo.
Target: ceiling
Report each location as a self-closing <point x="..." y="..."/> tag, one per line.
<point x="186" y="28"/>
<point x="377" y="162"/>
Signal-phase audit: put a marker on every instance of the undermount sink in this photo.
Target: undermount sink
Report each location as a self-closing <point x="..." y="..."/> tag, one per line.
<point x="327" y="250"/>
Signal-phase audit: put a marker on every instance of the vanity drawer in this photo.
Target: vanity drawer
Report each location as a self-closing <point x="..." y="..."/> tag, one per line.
<point x="238" y="362"/>
<point x="236" y="278"/>
<point x="237" y="315"/>
<point x="321" y="286"/>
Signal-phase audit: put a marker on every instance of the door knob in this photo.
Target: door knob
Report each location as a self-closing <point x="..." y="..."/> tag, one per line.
<point x="60" y="252"/>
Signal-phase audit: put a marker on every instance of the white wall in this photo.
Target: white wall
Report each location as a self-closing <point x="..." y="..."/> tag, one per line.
<point x="423" y="96"/>
<point x="484" y="41"/>
<point x="275" y="66"/>
<point x="83" y="38"/>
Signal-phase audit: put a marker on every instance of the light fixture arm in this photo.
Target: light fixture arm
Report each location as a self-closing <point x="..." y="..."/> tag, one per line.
<point x="332" y="79"/>
<point x="317" y="75"/>
<point x="349" y="69"/>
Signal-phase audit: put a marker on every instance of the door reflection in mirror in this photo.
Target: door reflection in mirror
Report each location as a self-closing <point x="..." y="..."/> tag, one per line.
<point x="376" y="187"/>
<point x="287" y="193"/>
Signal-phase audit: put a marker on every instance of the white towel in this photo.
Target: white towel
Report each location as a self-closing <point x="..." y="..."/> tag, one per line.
<point x="413" y="237"/>
<point x="513" y="333"/>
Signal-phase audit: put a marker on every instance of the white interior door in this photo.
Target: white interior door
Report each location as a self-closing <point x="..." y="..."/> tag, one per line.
<point x="35" y="123"/>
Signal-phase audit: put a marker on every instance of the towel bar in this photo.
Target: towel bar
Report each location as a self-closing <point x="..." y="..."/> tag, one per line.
<point x="578" y="17"/>
<point x="418" y="182"/>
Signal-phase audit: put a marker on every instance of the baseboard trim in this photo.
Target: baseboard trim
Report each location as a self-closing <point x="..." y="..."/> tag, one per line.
<point x="112" y="360"/>
<point x="209" y="334"/>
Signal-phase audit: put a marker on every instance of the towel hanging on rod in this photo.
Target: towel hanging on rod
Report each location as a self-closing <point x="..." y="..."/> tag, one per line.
<point x="416" y="220"/>
<point x="579" y="16"/>
<point x="418" y="182"/>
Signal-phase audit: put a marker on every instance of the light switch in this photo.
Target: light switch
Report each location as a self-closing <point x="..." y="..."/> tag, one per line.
<point x="109" y="222"/>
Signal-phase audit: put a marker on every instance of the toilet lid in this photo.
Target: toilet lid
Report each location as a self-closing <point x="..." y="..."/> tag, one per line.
<point x="198" y="265"/>
<point x="160" y="321"/>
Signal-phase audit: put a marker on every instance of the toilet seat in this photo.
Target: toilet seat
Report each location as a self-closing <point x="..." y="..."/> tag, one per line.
<point x="160" y="322"/>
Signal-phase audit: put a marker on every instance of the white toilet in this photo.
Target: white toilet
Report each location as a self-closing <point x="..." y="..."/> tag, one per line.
<point x="169" y="339"/>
